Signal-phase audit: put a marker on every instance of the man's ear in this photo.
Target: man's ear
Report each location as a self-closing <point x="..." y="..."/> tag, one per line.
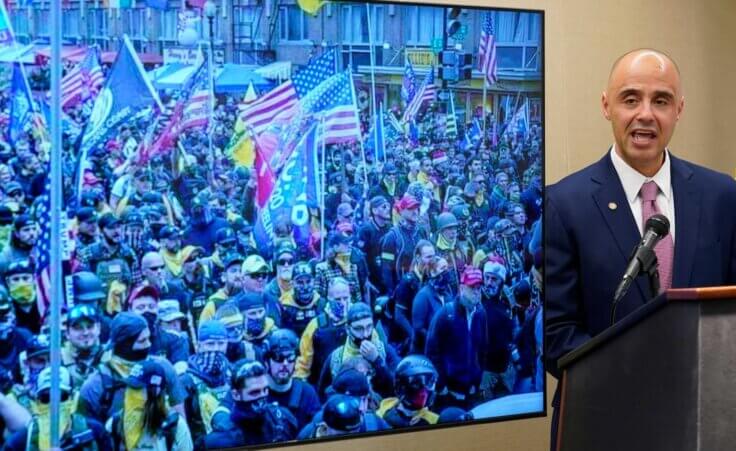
<point x="605" y="105"/>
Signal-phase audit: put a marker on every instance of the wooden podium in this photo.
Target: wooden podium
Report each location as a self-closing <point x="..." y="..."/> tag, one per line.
<point x="663" y="378"/>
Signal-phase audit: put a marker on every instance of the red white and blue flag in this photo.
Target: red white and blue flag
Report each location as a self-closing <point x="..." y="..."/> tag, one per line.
<point x="487" y="57"/>
<point x="426" y="93"/>
<point x="84" y="81"/>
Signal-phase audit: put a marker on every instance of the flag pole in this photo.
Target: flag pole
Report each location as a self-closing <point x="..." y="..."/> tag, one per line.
<point x="323" y="181"/>
<point x="360" y="140"/>
<point x="373" y="69"/>
<point x="485" y="91"/>
<point x="55" y="260"/>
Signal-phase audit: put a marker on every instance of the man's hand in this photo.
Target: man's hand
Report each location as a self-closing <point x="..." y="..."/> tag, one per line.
<point x="369" y="351"/>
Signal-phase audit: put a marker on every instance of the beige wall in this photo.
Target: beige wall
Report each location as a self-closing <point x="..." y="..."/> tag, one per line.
<point x="583" y="37"/>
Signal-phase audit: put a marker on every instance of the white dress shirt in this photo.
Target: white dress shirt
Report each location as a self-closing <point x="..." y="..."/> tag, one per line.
<point x="632" y="181"/>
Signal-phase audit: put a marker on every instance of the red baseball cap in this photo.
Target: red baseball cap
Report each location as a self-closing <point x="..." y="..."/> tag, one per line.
<point x="472" y="277"/>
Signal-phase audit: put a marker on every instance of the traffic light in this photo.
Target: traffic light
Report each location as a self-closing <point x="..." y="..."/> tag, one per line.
<point x="455" y="66"/>
<point x="453" y="25"/>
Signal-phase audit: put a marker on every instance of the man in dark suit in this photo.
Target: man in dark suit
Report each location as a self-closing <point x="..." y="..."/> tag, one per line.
<point x="595" y="217"/>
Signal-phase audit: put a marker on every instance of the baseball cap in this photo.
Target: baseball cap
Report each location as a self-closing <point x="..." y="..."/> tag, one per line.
<point x="168" y="232"/>
<point x="108" y="220"/>
<point x="168" y="310"/>
<point x="146" y="373"/>
<point x="407" y="202"/>
<point x="86" y="214"/>
<point x="254" y="264"/>
<point x="472" y="277"/>
<point x="212" y="330"/>
<point x="44" y="380"/>
<point x="81" y="312"/>
<point x="351" y="382"/>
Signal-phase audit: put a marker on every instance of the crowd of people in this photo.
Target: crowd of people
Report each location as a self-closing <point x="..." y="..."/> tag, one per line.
<point x="419" y="300"/>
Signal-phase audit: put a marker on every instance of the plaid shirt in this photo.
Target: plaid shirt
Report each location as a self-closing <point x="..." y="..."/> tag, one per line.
<point x="328" y="270"/>
<point x="91" y="256"/>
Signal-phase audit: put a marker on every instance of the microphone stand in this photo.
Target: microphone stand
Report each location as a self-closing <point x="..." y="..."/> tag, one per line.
<point x="648" y="264"/>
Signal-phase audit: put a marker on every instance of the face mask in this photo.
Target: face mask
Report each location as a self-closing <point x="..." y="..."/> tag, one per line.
<point x="212" y="363"/>
<point x="337" y="309"/>
<point x="251" y="410"/>
<point x="417" y="399"/>
<point x="151" y="320"/>
<point x="133" y="355"/>
<point x="441" y="282"/>
<point x="303" y="296"/>
<point x="23" y="292"/>
<point x="254" y="327"/>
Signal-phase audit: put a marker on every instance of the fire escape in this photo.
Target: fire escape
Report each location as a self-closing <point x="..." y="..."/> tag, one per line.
<point x="254" y="26"/>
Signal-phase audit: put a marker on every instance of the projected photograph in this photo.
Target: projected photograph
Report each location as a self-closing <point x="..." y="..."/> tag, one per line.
<point x="282" y="221"/>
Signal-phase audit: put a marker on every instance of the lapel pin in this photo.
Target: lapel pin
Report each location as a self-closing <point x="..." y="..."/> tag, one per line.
<point x="612" y="206"/>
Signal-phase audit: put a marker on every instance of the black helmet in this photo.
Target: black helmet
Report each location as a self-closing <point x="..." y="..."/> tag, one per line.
<point x="39" y="345"/>
<point x="87" y="287"/>
<point x="415" y="374"/>
<point x="342" y="413"/>
<point x="282" y="342"/>
<point x="445" y="220"/>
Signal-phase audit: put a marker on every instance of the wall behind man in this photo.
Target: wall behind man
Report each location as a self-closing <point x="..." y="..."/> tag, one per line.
<point x="583" y="38"/>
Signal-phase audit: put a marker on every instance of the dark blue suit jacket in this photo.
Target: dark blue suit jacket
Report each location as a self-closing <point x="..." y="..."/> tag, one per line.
<point x="588" y="245"/>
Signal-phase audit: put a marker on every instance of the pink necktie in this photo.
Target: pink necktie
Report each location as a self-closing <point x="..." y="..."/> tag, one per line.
<point x="665" y="249"/>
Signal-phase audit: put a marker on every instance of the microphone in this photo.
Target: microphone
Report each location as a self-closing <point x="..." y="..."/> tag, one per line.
<point x="657" y="227"/>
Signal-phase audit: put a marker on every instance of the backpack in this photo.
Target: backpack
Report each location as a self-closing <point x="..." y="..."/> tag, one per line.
<point x="79" y="426"/>
<point x="168" y="427"/>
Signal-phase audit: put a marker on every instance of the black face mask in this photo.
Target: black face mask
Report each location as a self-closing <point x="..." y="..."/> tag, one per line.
<point x="151" y="320"/>
<point x="441" y="283"/>
<point x="250" y="411"/>
<point x="134" y="355"/>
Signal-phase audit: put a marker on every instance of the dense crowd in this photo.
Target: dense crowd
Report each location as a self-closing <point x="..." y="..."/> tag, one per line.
<point x="419" y="300"/>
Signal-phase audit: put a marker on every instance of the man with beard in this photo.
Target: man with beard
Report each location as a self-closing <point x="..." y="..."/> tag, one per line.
<point x="499" y="378"/>
<point x="457" y="344"/>
<point x="82" y="352"/>
<point x="143" y="300"/>
<point x="171" y="250"/>
<point x="13" y="339"/>
<point x="207" y="380"/>
<point x="111" y="258"/>
<point x="204" y="226"/>
<point x="101" y="394"/>
<point x="21" y="283"/>
<point x="430" y="298"/>
<point x="87" y="231"/>
<point x="280" y="290"/>
<point x="196" y="280"/>
<point x="233" y="280"/>
<point x="22" y="240"/>
<point x="390" y="187"/>
<point x="362" y="340"/>
<point x="305" y="305"/>
<point x="415" y="380"/>
<point x="397" y="248"/>
<point x="324" y="333"/>
<point x="294" y="394"/>
<point x="255" y="275"/>
<point x="370" y="235"/>
<point x="253" y="420"/>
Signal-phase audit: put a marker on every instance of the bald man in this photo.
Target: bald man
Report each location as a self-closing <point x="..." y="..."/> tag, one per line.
<point x="595" y="217"/>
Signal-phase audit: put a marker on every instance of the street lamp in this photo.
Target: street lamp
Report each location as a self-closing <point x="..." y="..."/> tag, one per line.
<point x="209" y="10"/>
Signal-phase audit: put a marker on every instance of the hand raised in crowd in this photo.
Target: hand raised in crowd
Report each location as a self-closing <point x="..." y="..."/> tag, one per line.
<point x="369" y="351"/>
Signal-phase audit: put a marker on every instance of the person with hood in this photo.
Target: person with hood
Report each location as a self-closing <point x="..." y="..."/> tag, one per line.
<point x="76" y="431"/>
<point x="144" y="300"/>
<point x="253" y="420"/>
<point x="204" y="226"/>
<point x="324" y="333"/>
<point x="415" y="380"/>
<point x="22" y="239"/>
<point x="306" y="302"/>
<point x="295" y="394"/>
<point x="257" y="325"/>
<point x="338" y="264"/>
<point x="146" y="421"/>
<point x="207" y="380"/>
<point x="430" y="298"/>
<point x="82" y="352"/>
<point x="448" y="247"/>
<point x="102" y="394"/>
<point x="32" y="361"/>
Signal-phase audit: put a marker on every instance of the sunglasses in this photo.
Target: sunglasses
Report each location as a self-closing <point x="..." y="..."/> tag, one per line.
<point x="259" y="275"/>
<point x="285" y="261"/>
<point x="289" y="358"/>
<point x="156" y="268"/>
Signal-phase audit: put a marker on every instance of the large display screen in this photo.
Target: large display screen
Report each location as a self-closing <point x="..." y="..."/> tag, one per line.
<point x="286" y="222"/>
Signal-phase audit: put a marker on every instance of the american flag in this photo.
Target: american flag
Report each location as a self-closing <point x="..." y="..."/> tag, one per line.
<point x="487" y="57"/>
<point x="283" y="99"/>
<point x="84" y="81"/>
<point x="196" y="108"/>
<point x="334" y="101"/>
<point x="426" y="92"/>
<point x="42" y="250"/>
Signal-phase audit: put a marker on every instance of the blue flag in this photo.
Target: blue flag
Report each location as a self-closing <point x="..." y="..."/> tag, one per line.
<point x="413" y="132"/>
<point x="126" y="97"/>
<point x="409" y="83"/>
<point x="376" y="142"/>
<point x="21" y="105"/>
<point x="296" y="190"/>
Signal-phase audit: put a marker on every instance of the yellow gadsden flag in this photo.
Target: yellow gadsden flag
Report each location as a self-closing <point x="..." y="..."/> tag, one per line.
<point x="310" y="6"/>
<point x="241" y="147"/>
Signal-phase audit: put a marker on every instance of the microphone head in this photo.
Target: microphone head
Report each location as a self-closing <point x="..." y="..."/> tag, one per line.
<point x="659" y="224"/>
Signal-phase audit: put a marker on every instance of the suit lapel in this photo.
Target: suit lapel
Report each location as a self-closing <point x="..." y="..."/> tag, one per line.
<point x="687" y="219"/>
<point x="611" y="201"/>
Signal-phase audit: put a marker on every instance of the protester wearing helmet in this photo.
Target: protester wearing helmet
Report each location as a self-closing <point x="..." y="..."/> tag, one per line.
<point x="294" y="394"/>
<point x="448" y="247"/>
<point x="75" y="430"/>
<point x="414" y="380"/>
